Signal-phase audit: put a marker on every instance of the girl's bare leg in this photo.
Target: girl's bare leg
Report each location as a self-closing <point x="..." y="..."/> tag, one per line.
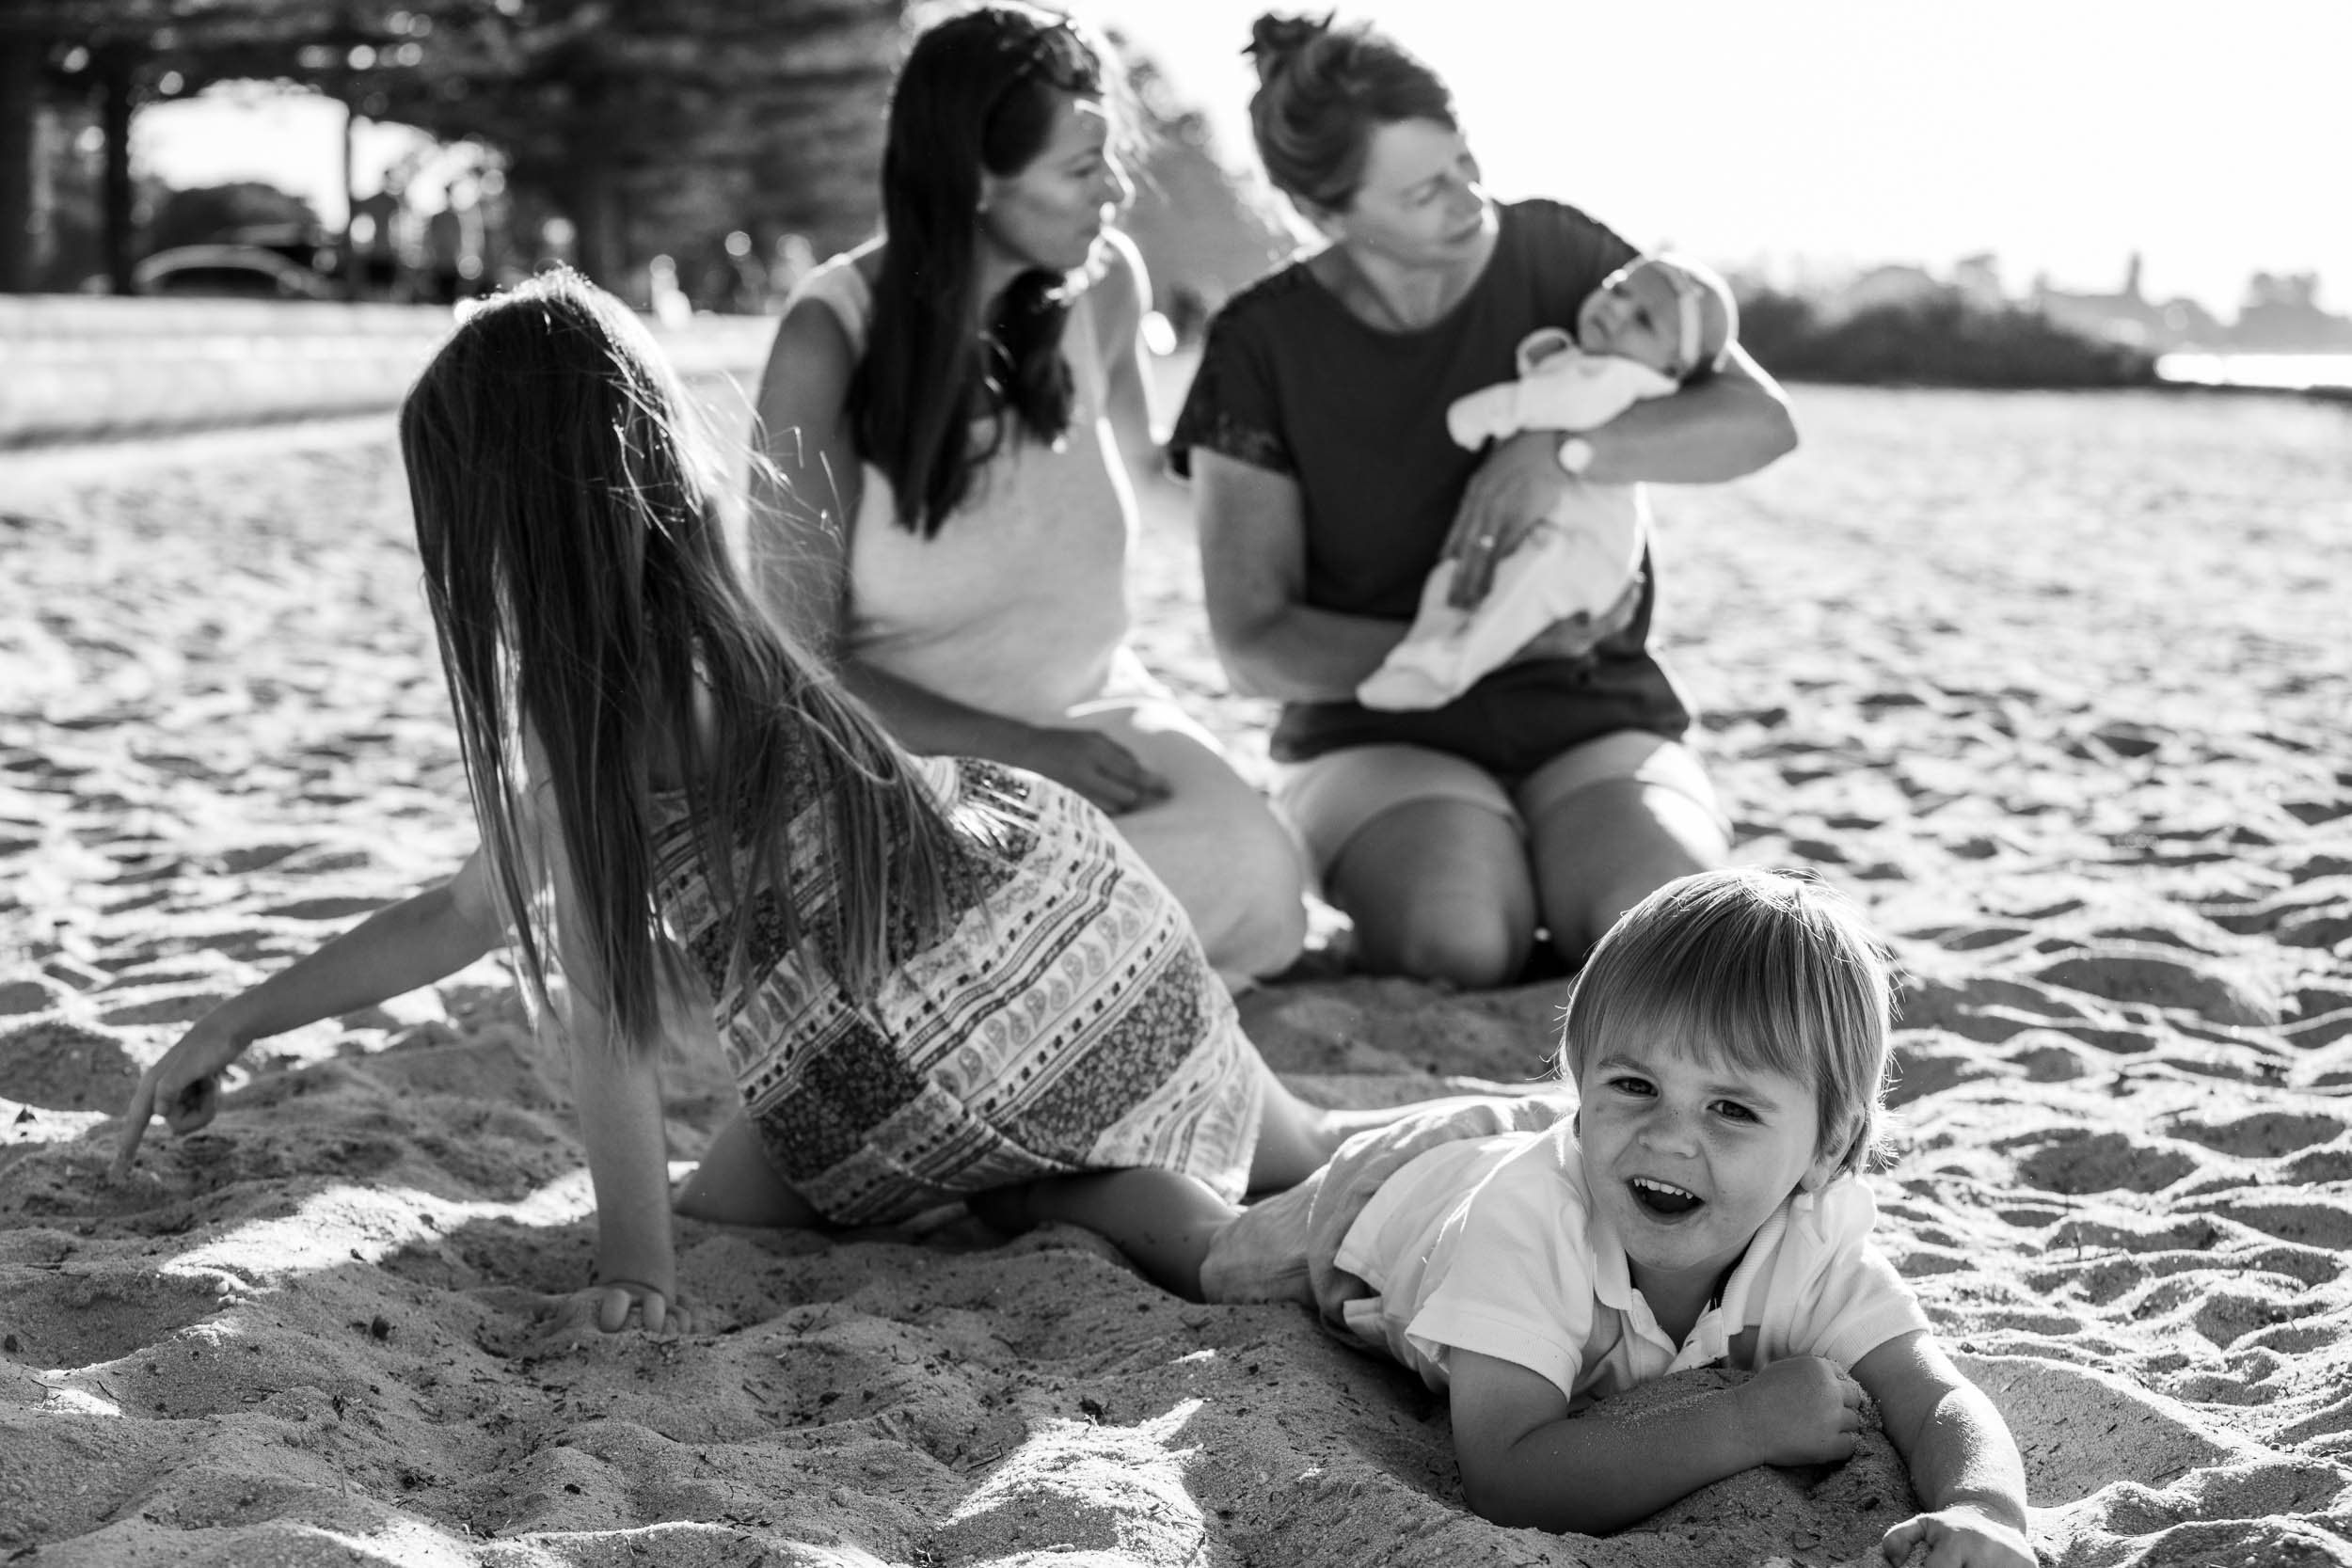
<point x="1163" y="1221"/>
<point x="735" y="1185"/>
<point x="1295" y="1139"/>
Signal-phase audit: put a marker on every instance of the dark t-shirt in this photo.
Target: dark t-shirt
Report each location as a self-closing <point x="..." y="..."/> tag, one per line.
<point x="1290" y="381"/>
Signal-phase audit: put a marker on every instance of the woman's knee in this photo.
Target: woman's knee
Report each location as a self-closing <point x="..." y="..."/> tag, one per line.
<point x="1265" y="891"/>
<point x="734" y="1184"/>
<point x="1439" y="891"/>
<point x="1605" y="849"/>
<point x="1475" y="947"/>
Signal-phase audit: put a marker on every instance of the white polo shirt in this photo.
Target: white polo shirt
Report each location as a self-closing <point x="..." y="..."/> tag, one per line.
<point x="1493" y="1245"/>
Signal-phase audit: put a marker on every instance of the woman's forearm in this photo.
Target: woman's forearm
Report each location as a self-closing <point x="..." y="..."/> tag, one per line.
<point x="1720" y="429"/>
<point x="929" y="724"/>
<point x="1297" y="654"/>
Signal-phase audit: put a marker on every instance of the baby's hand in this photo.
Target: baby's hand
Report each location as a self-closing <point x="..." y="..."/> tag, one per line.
<point x="1805" y="1410"/>
<point x="1958" y="1537"/>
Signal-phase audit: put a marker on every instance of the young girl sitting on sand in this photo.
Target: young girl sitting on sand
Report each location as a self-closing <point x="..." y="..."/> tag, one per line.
<point x="1700" y="1207"/>
<point x="934" y="976"/>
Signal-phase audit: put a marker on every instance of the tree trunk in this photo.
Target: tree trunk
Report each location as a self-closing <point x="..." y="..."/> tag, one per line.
<point x="114" y="120"/>
<point x="347" y="255"/>
<point x="20" y="64"/>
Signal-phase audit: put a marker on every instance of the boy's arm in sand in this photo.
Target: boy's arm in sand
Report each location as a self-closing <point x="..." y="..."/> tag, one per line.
<point x="413" y="944"/>
<point x="1526" y="1461"/>
<point x="1963" y="1462"/>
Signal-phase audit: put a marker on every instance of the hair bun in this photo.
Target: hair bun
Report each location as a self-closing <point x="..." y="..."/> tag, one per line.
<point x="1277" y="41"/>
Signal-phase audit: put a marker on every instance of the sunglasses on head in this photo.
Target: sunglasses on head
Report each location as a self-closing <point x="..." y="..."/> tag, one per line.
<point x="1055" y="55"/>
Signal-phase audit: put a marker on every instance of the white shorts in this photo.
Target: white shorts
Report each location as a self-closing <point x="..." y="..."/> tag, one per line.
<point x="1330" y="798"/>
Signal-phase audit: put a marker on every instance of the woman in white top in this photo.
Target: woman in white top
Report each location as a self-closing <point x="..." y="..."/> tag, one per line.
<point x="952" y="408"/>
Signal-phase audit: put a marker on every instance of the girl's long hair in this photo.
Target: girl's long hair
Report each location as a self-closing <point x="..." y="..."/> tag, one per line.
<point x="978" y="92"/>
<point x="584" y="597"/>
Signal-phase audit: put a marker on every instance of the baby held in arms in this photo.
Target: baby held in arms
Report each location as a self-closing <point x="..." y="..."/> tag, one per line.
<point x="1654" y="325"/>
<point x="1696" y="1202"/>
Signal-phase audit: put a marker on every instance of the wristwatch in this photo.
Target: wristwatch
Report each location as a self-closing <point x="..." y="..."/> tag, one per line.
<point x="1576" y="454"/>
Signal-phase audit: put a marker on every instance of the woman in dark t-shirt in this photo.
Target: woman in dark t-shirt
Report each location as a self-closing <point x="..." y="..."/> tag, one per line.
<point x="1556" y="792"/>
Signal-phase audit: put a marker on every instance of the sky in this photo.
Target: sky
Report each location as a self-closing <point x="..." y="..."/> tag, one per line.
<point x="2060" y="134"/>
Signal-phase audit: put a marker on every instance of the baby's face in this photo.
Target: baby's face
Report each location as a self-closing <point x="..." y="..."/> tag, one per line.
<point x="1634" y="316"/>
<point x="1687" y="1155"/>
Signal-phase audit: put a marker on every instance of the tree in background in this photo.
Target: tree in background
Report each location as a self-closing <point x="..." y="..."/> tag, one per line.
<point x="638" y="120"/>
<point x="1203" y="230"/>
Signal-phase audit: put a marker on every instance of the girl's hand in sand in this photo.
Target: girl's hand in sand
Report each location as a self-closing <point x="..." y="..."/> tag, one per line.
<point x="1507" y="500"/>
<point x="1958" y="1537"/>
<point x="1094" y="765"/>
<point x="185" y="1085"/>
<point x="1803" y="1410"/>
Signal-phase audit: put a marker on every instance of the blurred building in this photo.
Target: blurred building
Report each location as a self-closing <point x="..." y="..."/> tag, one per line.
<point x="2128" y="316"/>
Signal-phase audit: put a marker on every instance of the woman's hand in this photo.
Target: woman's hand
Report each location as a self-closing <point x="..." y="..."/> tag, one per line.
<point x="1509" y="498"/>
<point x="185" y="1085"/>
<point x="1094" y="765"/>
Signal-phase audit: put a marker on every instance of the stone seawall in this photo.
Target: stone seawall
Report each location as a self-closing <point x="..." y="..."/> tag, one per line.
<point x="75" y="369"/>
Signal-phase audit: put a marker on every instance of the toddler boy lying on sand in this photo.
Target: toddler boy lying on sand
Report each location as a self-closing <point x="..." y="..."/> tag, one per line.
<point x="1696" y="1204"/>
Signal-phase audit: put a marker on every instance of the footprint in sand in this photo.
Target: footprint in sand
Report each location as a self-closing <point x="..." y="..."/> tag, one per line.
<point x="2291" y="1219"/>
<point x="64" y="1066"/>
<point x="2076" y="1162"/>
<point x="78" y="1318"/>
<point x="2159" y="977"/>
<point x="2264" y="1134"/>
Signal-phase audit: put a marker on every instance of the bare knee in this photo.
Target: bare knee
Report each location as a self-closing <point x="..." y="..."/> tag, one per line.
<point x="1269" y="925"/>
<point x="1623" y="840"/>
<point x="1473" y="947"/>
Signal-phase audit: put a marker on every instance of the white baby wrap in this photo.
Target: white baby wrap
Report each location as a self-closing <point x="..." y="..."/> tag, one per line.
<point x="1585" y="558"/>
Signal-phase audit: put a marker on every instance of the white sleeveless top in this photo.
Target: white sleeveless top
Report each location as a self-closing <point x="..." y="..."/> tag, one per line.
<point x="1018" y="605"/>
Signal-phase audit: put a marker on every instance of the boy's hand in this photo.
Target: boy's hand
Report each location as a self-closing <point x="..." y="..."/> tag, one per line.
<point x="1801" y="1411"/>
<point x="185" y="1085"/>
<point x="1958" y="1537"/>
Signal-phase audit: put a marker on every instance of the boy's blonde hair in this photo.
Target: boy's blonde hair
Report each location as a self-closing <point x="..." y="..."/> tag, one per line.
<point x="1768" y="970"/>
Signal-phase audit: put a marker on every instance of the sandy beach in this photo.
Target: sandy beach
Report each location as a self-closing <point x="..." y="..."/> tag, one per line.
<point x="2056" y="686"/>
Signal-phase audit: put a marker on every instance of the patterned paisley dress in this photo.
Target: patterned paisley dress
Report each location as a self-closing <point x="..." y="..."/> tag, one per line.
<point x="1065" y="1021"/>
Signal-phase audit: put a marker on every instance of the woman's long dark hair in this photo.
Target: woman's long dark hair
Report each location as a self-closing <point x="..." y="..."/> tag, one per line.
<point x="978" y="92"/>
<point x="591" y="619"/>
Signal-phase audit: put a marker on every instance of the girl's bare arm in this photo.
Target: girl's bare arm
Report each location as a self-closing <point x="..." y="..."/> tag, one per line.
<point x="616" y="1092"/>
<point x="412" y="943"/>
